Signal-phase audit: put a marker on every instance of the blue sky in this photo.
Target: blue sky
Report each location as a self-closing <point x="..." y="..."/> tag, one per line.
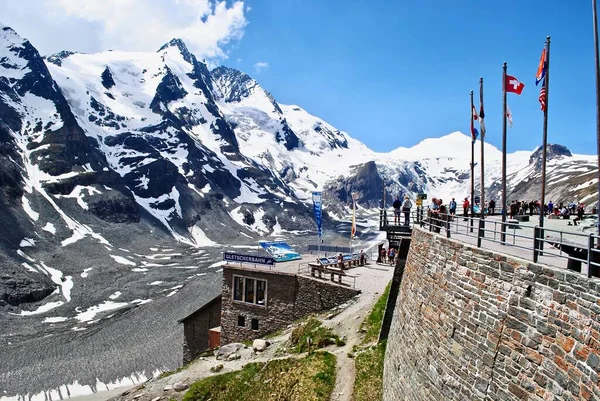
<point x="391" y="73"/>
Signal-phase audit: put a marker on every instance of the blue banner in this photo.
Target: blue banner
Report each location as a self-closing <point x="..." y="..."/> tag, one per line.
<point x="317" y="205"/>
<point x="281" y="251"/>
<point x="259" y="260"/>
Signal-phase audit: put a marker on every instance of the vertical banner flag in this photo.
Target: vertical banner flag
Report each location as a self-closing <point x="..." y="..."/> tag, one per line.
<point x="474" y="132"/>
<point x="513" y="85"/>
<point x="317" y="205"/>
<point x="509" y="116"/>
<point x="481" y="123"/>
<point x="353" y="232"/>
<point x="540" y="77"/>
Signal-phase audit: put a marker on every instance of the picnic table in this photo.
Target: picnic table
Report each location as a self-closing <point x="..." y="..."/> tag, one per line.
<point x="333" y="267"/>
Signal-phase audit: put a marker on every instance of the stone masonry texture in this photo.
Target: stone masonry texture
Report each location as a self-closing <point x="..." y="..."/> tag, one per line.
<point x="470" y="324"/>
<point x="196" y="326"/>
<point x="289" y="298"/>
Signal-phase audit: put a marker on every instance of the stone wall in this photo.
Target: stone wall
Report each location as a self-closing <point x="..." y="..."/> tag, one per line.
<point x="196" y="326"/>
<point x="289" y="298"/>
<point x="471" y="324"/>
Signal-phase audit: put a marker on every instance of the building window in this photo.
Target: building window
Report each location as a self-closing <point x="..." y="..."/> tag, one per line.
<point x="250" y="290"/>
<point x="254" y="324"/>
<point x="241" y="321"/>
<point x="238" y="288"/>
<point x="261" y="288"/>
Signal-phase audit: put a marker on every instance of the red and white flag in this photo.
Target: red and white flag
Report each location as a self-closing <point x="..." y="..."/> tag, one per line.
<point x="509" y="116"/>
<point x="542" y="98"/>
<point x="513" y="85"/>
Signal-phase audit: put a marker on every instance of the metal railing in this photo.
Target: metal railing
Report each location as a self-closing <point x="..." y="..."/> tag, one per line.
<point x="581" y="251"/>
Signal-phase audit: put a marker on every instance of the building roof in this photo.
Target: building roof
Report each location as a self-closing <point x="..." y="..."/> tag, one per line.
<point x="206" y="305"/>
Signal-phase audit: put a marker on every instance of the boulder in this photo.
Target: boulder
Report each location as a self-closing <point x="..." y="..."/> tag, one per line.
<point x="225" y="351"/>
<point x="260" y="345"/>
<point x="179" y="386"/>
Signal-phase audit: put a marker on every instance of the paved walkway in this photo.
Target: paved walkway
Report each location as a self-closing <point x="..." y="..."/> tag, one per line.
<point x="519" y="241"/>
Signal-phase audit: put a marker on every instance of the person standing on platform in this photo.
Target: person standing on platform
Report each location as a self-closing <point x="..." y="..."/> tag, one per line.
<point x="396" y="205"/>
<point x="452" y="207"/>
<point x="406" y="206"/>
<point x="466" y="209"/>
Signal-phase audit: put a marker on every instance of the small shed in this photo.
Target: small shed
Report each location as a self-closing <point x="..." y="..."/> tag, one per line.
<point x="201" y="329"/>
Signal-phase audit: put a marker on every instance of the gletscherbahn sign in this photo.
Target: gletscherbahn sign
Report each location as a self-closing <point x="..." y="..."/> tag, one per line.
<point x="255" y="259"/>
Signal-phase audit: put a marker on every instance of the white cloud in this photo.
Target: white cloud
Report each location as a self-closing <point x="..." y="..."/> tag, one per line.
<point x="260" y="66"/>
<point x="206" y="26"/>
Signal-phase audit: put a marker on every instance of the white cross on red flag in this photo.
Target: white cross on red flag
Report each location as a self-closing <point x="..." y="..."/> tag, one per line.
<point x="513" y="85"/>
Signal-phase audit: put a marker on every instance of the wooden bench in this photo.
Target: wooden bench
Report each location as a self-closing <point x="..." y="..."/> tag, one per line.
<point x="332" y="271"/>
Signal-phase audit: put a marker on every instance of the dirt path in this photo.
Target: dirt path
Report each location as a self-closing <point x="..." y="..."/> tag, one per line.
<point x="371" y="281"/>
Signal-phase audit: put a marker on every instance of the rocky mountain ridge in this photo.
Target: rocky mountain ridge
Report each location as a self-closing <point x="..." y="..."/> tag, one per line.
<point x="94" y="144"/>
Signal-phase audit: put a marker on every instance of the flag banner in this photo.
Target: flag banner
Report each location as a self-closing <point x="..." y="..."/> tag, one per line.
<point x="317" y="206"/>
<point x="353" y="232"/>
<point x="509" y="116"/>
<point x="513" y="85"/>
<point x="474" y="132"/>
<point x="542" y="98"/>
<point x="541" y="72"/>
<point x="481" y="123"/>
<point x="280" y="251"/>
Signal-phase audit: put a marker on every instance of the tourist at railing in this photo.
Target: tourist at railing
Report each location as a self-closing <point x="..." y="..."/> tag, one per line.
<point x="406" y="206"/>
<point x="466" y="206"/>
<point x="452" y="207"/>
<point x="396" y="205"/>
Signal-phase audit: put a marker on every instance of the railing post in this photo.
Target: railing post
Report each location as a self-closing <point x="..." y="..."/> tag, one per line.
<point x="589" y="255"/>
<point x="447" y="226"/>
<point x="471" y="220"/>
<point x="535" y="243"/>
<point x="480" y="232"/>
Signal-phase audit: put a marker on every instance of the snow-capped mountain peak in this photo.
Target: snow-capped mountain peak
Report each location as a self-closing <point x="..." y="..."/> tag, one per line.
<point x="180" y="45"/>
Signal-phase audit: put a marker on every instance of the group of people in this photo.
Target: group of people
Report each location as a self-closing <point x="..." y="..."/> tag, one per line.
<point x="404" y="207"/>
<point x="438" y="210"/>
<point x="389" y="255"/>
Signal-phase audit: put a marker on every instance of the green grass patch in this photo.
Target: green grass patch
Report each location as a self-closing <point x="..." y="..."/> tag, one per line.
<point x="311" y="379"/>
<point x="320" y="336"/>
<point x="372" y="323"/>
<point x="368" y="385"/>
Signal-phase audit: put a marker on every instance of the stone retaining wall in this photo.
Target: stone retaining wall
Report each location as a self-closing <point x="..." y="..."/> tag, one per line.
<point x="471" y="324"/>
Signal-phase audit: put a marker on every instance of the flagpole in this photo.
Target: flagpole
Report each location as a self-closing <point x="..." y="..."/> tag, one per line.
<point x="503" y="226"/>
<point x="545" y="140"/>
<point x="482" y="134"/>
<point x="597" y="103"/>
<point x="472" y="162"/>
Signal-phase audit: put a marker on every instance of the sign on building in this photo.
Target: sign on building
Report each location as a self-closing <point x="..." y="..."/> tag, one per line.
<point x="255" y="259"/>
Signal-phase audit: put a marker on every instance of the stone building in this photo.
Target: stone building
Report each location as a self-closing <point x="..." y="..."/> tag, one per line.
<point x="257" y="301"/>
<point x="199" y="327"/>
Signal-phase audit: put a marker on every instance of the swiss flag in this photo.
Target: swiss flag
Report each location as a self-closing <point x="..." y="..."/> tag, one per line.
<point x="513" y="85"/>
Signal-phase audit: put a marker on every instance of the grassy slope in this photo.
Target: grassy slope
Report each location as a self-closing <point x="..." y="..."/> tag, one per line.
<point x="368" y="385"/>
<point x="372" y="323"/>
<point x="311" y="379"/>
